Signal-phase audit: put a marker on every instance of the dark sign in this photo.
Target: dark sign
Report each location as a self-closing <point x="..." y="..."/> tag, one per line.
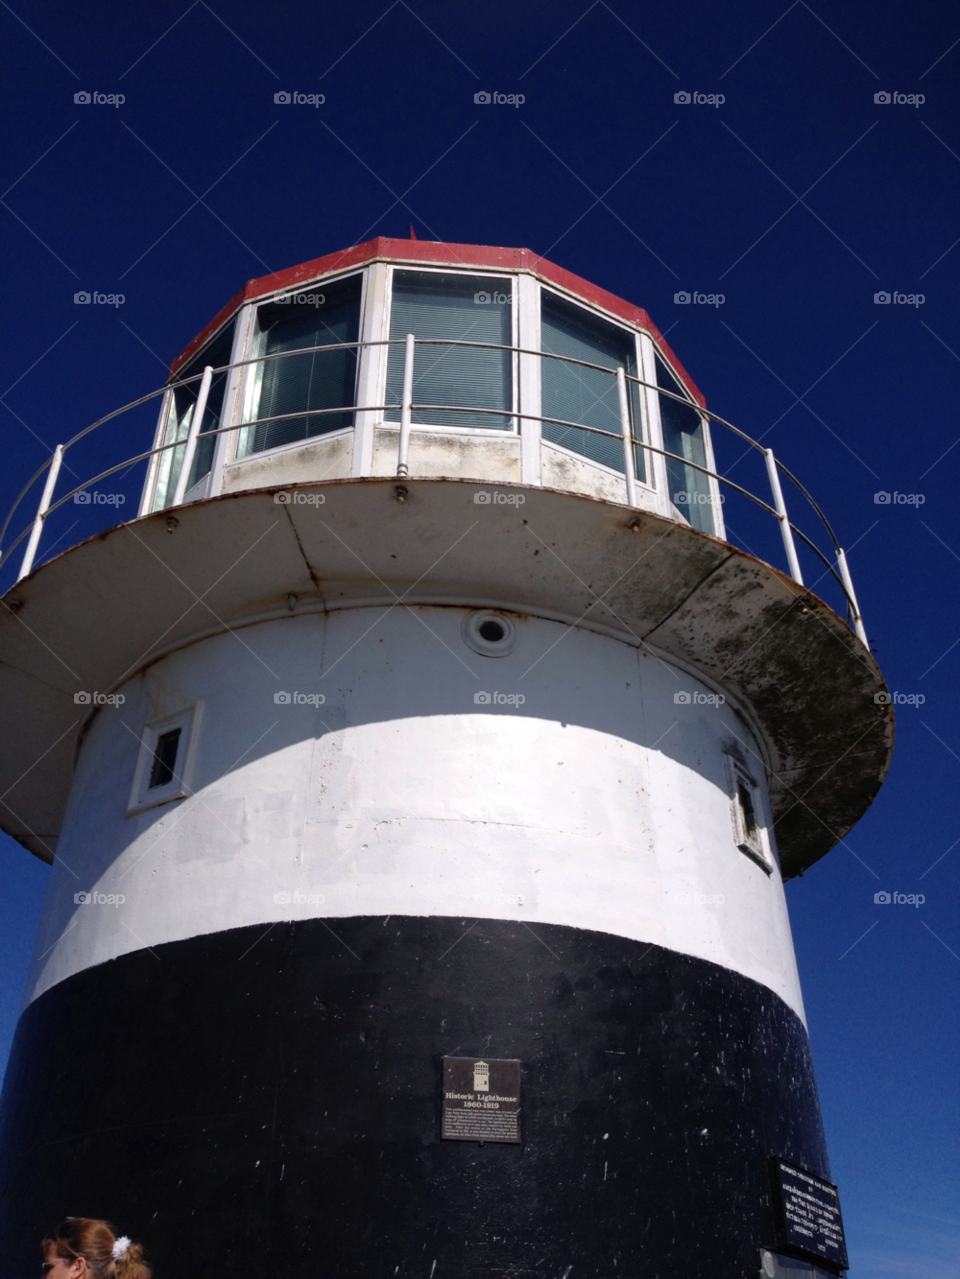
<point x="809" y="1213"/>
<point x="481" y="1099"/>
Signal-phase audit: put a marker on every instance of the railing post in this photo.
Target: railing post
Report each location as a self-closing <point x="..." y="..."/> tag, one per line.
<point x="848" y="584"/>
<point x="186" y="466"/>
<point x="45" y="500"/>
<point x="405" y="406"/>
<point x="785" y="530"/>
<point x="627" y="432"/>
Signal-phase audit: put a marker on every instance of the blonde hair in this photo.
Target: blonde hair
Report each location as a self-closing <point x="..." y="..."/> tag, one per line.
<point x="93" y="1240"/>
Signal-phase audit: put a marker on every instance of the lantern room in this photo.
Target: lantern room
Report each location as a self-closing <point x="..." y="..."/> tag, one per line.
<point x="409" y="358"/>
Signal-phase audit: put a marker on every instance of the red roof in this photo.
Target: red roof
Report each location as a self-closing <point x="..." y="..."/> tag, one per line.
<point x="479" y="256"/>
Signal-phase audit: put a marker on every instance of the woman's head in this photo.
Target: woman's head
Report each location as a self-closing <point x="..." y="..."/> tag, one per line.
<point x="84" y="1248"/>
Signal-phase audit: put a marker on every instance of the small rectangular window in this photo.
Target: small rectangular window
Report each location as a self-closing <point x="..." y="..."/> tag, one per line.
<point x="746" y="807"/>
<point x="165" y="760"/>
<point x="748" y="816"/>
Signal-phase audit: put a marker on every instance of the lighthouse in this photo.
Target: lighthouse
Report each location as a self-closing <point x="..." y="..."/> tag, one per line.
<point x="420" y="772"/>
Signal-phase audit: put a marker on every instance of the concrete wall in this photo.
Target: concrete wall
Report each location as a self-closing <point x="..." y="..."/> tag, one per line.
<point x="323" y="459"/>
<point x="598" y="802"/>
<point x="436" y="453"/>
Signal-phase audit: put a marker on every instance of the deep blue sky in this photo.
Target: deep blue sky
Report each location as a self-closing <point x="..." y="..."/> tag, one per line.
<point x="694" y="197"/>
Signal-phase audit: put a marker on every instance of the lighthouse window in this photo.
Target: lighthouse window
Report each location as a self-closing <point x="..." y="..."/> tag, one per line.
<point x="462" y="308"/>
<point x="165" y="760"/>
<point x="683" y="435"/>
<point x="305" y="386"/>
<point x="573" y="393"/>
<point x="746" y="810"/>
<point x="182" y="403"/>
<point x="748" y="815"/>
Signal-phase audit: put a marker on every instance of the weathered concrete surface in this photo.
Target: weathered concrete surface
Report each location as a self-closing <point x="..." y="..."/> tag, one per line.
<point x="315" y="460"/>
<point x="89" y="618"/>
<point x="434" y="453"/>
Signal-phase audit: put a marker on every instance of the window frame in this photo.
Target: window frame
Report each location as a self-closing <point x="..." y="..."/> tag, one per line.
<point x="148" y="499"/>
<point x="719" y="527"/>
<point x="510" y="432"/>
<point x="253" y="351"/>
<point x="648" y="482"/>
<point x="144" y="797"/>
<point x="757" y="849"/>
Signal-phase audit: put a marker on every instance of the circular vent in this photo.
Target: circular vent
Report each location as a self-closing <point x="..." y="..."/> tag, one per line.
<point x="488" y="633"/>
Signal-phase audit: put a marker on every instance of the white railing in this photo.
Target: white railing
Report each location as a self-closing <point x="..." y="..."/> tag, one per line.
<point x="407" y="408"/>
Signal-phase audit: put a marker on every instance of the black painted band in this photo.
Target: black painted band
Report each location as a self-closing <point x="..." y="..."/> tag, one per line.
<point x="262" y="1100"/>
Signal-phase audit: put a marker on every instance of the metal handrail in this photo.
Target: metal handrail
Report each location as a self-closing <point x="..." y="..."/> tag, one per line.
<point x="406" y="408"/>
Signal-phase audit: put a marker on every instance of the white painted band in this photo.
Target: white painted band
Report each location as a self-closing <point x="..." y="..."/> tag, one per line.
<point x="581" y="793"/>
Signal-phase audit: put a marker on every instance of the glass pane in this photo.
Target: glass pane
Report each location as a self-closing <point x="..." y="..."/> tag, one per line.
<point x="466" y="308"/>
<point x="163" y="769"/>
<point x="183" y="402"/>
<point x="170" y="461"/>
<point x="323" y="315"/>
<point x="576" y="394"/>
<point x="683" y="434"/>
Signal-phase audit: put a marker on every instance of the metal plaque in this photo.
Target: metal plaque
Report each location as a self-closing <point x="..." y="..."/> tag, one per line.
<point x="481" y="1099"/>
<point x="809" y="1213"/>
